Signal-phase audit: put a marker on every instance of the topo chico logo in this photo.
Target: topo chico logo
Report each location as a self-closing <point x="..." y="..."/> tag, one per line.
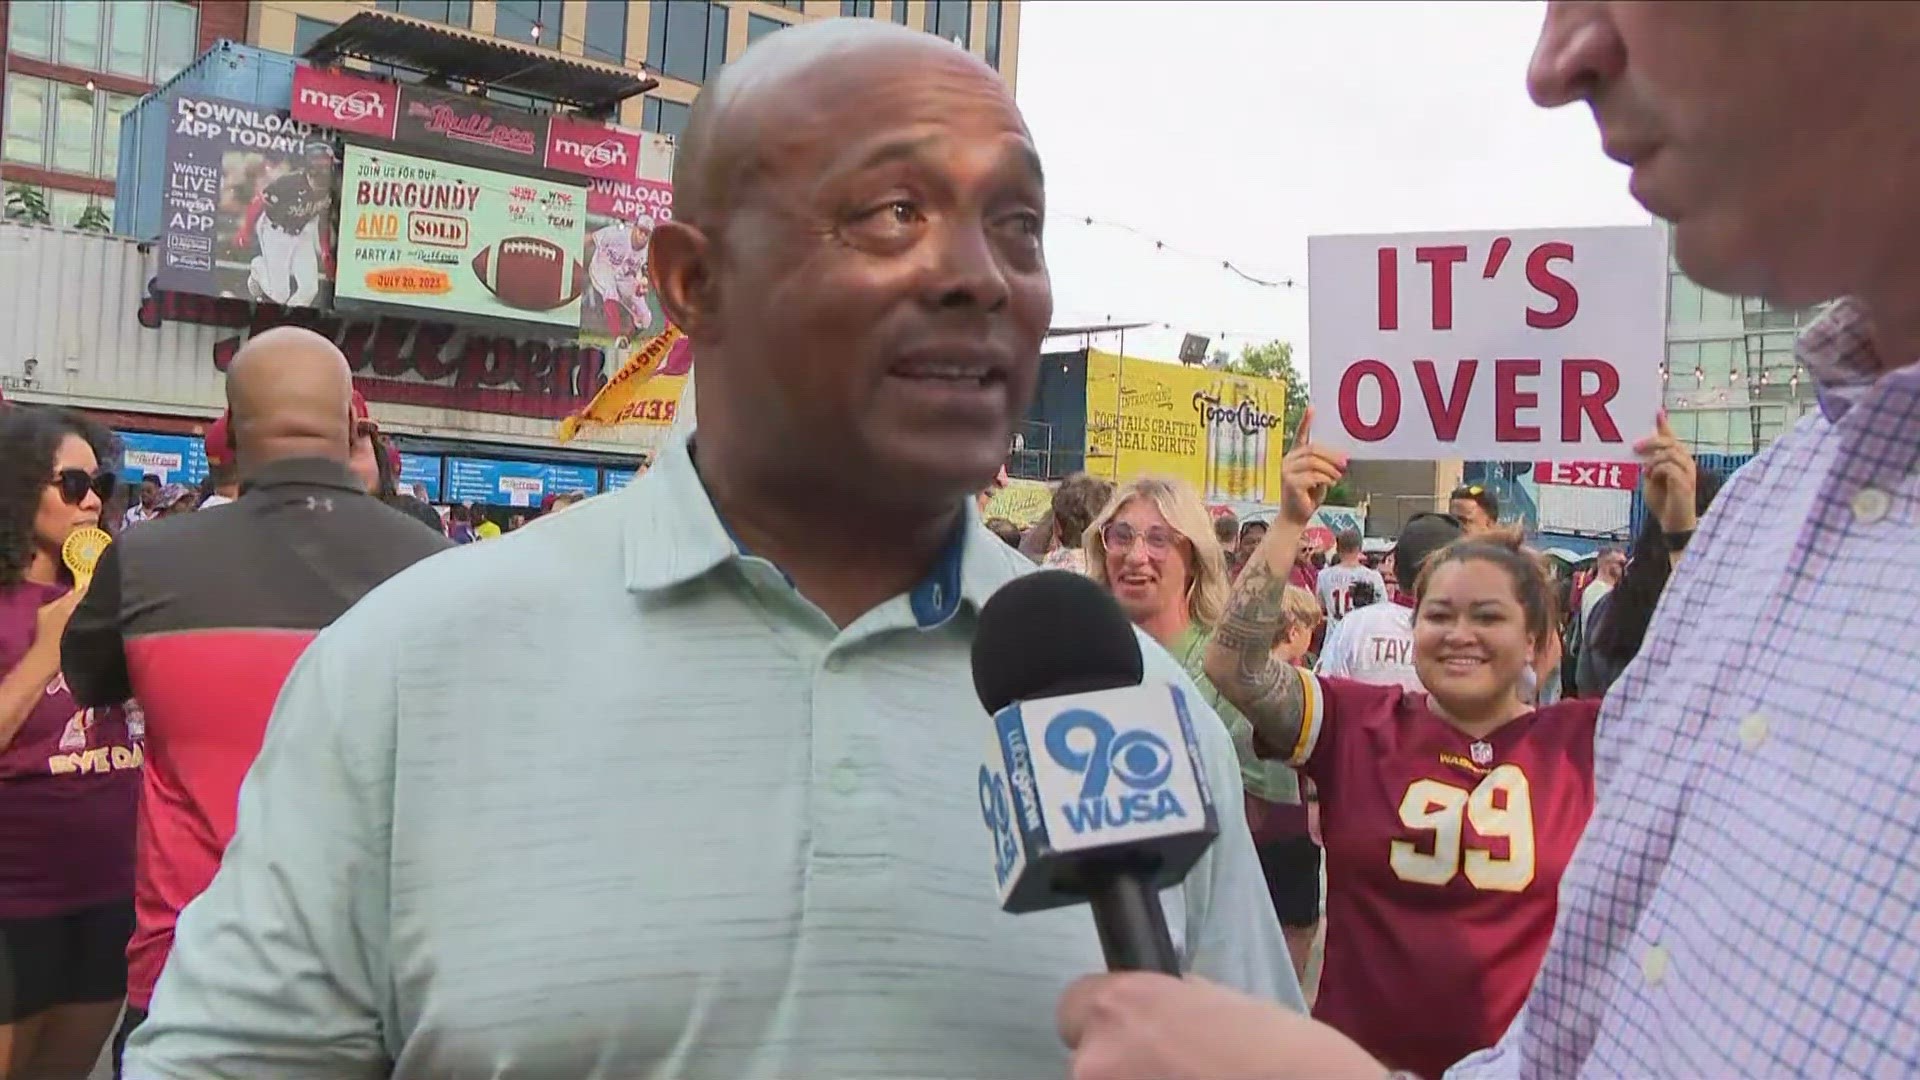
<point x="1249" y="418"/>
<point x="1140" y="760"/>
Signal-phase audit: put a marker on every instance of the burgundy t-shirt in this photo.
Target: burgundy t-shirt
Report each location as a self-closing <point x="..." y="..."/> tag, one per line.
<point x="69" y="788"/>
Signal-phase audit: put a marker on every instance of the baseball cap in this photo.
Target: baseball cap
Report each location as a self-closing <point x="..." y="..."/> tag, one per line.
<point x="219" y="440"/>
<point x="1420" y="537"/>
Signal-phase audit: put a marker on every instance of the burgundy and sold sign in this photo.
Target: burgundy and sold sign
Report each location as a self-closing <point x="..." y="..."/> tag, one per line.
<point x="1494" y="346"/>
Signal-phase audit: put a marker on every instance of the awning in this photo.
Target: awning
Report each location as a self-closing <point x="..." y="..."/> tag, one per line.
<point x="383" y="37"/>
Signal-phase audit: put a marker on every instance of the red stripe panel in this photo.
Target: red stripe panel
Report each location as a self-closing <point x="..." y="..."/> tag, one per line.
<point x="206" y="695"/>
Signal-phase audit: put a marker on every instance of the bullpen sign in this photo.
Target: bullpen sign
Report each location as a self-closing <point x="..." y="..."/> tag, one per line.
<point x="1500" y="346"/>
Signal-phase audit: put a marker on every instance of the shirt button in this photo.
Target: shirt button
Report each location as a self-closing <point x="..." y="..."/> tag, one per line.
<point x="1870" y="505"/>
<point x="1653" y="966"/>
<point x="1753" y="731"/>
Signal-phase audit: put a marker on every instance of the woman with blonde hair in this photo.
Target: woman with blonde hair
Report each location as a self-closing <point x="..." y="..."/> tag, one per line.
<point x="1154" y="548"/>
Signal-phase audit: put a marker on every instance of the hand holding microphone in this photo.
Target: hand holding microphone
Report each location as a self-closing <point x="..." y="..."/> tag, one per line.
<point x="1092" y="789"/>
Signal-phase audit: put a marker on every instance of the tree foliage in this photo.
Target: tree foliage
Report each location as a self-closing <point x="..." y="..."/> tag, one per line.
<point x="94" y="219"/>
<point x="26" y="203"/>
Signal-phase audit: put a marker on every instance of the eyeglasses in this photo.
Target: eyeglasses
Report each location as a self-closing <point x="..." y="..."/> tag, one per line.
<point x="75" y="483"/>
<point x="1119" y="536"/>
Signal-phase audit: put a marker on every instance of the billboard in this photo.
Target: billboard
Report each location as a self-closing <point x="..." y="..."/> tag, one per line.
<point x="421" y="233"/>
<point x="621" y="215"/>
<point x="1219" y="431"/>
<point x="248" y="204"/>
<point x="345" y="102"/>
<point x="470" y="128"/>
<point x="175" y="459"/>
<point x="1499" y="345"/>
<point x="420" y="476"/>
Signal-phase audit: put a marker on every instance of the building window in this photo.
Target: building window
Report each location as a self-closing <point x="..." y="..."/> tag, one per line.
<point x="792" y="5"/>
<point x="856" y="9"/>
<point x="759" y="26"/>
<point x="307" y="31"/>
<point x="67" y="208"/>
<point x="27" y="115"/>
<point x="951" y="19"/>
<point x="900" y="12"/>
<point x="687" y="39"/>
<point x="80" y="35"/>
<point x="993" y="34"/>
<point x="520" y="101"/>
<point x="30" y="28"/>
<point x="64" y="126"/>
<point x="451" y="12"/>
<point x="665" y="117"/>
<point x="515" y="20"/>
<point x="607" y="30"/>
<point x="176" y="31"/>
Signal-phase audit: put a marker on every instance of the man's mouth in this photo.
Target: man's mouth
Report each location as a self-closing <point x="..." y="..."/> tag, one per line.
<point x="957" y="373"/>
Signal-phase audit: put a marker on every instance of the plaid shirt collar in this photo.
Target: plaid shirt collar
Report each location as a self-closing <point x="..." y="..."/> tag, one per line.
<point x="1838" y="352"/>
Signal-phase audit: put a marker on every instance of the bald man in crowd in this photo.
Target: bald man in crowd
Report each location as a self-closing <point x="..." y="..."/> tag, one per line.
<point x="736" y="834"/>
<point x="200" y="617"/>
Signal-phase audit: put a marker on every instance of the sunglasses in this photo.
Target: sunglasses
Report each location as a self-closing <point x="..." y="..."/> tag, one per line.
<point x="75" y="483"/>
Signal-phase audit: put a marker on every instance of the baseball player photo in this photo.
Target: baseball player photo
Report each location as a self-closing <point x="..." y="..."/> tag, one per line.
<point x="285" y="222"/>
<point x="617" y="276"/>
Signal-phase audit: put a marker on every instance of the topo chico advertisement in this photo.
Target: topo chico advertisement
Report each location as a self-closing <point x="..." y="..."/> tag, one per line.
<point x="247" y="206"/>
<point x="1219" y="431"/>
<point x="416" y="232"/>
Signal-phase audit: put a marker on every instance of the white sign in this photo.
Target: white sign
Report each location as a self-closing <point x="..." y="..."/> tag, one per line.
<point x="1495" y="346"/>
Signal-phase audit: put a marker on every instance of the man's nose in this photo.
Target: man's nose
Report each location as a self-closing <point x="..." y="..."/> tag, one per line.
<point x="969" y="273"/>
<point x="1578" y="50"/>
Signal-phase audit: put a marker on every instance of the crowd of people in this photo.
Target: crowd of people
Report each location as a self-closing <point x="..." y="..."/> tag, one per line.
<point x="737" y="850"/>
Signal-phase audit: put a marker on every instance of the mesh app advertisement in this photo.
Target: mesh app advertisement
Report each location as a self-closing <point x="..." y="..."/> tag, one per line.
<point x="417" y="232"/>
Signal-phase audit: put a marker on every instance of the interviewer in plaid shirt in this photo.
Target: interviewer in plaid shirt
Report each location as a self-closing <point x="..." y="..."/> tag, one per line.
<point x="1746" y="899"/>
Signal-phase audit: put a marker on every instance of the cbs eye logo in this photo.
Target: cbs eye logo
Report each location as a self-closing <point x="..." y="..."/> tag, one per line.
<point x="1139" y="758"/>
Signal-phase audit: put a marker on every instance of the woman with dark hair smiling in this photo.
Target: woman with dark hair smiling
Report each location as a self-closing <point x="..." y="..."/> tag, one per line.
<point x="69" y="777"/>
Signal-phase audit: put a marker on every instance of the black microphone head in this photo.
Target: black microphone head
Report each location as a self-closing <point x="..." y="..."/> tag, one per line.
<point x="1050" y="633"/>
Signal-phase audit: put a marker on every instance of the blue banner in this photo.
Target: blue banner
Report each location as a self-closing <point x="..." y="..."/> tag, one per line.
<point x="175" y="459"/>
<point x="515" y="483"/>
<point x="422" y="471"/>
<point x="615" y="479"/>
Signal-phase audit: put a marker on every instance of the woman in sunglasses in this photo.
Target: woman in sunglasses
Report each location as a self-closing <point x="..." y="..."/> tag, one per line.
<point x="1155" y="549"/>
<point x="69" y="777"/>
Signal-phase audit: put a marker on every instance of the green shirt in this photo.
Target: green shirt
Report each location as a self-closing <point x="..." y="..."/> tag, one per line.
<point x="1269" y="780"/>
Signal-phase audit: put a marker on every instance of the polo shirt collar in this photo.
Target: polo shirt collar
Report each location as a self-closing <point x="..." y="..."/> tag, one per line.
<point x="310" y="471"/>
<point x="674" y="535"/>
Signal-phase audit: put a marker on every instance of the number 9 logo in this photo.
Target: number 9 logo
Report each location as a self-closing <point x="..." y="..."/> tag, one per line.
<point x="994" y="809"/>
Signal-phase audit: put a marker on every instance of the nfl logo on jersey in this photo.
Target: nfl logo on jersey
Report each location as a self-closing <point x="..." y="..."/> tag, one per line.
<point x="1481" y="753"/>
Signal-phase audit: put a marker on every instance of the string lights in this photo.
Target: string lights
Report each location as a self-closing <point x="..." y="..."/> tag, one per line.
<point x="1160" y="245"/>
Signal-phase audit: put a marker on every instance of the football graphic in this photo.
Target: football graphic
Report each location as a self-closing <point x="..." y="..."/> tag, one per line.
<point x="530" y="273"/>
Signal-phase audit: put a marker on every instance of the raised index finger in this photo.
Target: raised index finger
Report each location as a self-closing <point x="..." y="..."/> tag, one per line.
<point x="1304" y="436"/>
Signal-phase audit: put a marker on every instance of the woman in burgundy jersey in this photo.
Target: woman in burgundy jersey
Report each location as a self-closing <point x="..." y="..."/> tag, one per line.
<point x="1448" y="815"/>
<point x="69" y="777"/>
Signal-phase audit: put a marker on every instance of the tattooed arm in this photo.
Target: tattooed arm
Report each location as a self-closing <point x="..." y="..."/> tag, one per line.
<point x="1271" y="693"/>
<point x="1240" y="661"/>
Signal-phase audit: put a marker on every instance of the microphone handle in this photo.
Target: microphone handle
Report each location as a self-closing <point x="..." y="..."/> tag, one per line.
<point x="1132" y="925"/>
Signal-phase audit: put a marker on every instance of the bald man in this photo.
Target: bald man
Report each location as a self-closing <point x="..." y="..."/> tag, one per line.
<point x="736" y="834"/>
<point x="200" y="617"/>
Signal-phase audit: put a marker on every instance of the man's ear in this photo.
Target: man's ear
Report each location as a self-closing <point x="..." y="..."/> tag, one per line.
<point x="679" y="263"/>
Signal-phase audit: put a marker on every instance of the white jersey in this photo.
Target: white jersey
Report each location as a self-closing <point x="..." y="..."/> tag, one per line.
<point x="1336" y="588"/>
<point x="617" y="263"/>
<point x="1373" y="645"/>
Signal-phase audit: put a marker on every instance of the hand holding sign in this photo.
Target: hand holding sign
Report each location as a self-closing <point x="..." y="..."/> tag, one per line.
<point x="1668" y="467"/>
<point x="1307" y="474"/>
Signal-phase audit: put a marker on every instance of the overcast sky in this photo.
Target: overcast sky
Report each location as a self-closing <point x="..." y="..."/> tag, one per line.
<point x="1237" y="130"/>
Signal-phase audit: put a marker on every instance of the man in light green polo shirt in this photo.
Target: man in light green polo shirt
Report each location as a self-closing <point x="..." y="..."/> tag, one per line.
<point x="701" y="805"/>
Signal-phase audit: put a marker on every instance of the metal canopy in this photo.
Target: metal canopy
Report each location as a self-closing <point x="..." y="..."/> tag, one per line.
<point x="383" y="37"/>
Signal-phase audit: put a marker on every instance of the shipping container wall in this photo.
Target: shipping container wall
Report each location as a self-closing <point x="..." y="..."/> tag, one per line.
<point x="71" y="334"/>
<point x="1055" y="434"/>
<point x="1566" y="509"/>
<point x="227" y="70"/>
<point x="1721" y="465"/>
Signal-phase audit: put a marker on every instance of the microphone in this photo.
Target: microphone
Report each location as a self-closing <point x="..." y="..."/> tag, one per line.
<point x="1092" y="788"/>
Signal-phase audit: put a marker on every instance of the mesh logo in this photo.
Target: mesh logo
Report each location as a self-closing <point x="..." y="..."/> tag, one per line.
<point x="1084" y="742"/>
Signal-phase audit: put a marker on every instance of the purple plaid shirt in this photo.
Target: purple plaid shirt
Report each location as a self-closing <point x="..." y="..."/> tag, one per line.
<point x="1746" y="899"/>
